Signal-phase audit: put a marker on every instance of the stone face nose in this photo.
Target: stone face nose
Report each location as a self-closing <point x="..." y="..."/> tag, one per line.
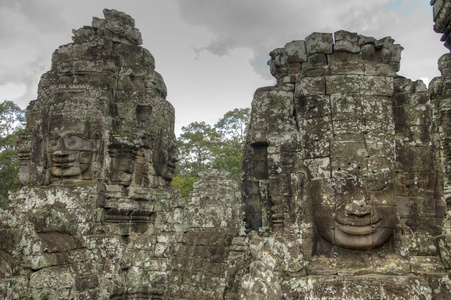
<point x="60" y="153"/>
<point x="358" y="208"/>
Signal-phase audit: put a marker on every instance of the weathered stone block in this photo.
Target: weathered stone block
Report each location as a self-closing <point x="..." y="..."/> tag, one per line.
<point x="308" y="86"/>
<point x="359" y="84"/>
<point x="310" y="107"/>
<point x="346" y="42"/>
<point x="319" y="43"/>
<point x="426" y="264"/>
<point x="296" y="52"/>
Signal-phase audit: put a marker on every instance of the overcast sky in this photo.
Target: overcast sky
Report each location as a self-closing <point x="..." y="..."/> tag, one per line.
<point x="212" y="54"/>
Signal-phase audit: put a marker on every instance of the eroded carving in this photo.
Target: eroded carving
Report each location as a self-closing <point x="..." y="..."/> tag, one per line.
<point x="352" y="171"/>
<point x="96" y="216"/>
<point x="101" y="112"/>
<point x="354" y="204"/>
<point x="442" y="18"/>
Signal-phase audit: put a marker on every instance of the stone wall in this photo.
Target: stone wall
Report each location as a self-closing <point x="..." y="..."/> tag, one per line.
<point x="440" y="96"/>
<point x="200" y="261"/>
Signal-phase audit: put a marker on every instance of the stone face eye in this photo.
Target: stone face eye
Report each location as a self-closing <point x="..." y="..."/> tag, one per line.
<point x="53" y="142"/>
<point x="378" y="181"/>
<point x="85" y="154"/>
<point x="143" y="112"/>
<point x="73" y="143"/>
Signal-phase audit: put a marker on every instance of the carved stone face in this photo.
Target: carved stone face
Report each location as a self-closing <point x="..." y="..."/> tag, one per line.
<point x="70" y="152"/>
<point x="142" y="149"/>
<point x="170" y="166"/>
<point x="164" y="161"/>
<point x="355" y="207"/>
<point x="70" y="155"/>
<point x="278" y="63"/>
<point x="123" y="162"/>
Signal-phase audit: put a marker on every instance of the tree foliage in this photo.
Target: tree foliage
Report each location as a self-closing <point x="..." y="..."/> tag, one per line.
<point x="195" y="146"/>
<point x="232" y="129"/>
<point x="233" y="126"/>
<point x="202" y="146"/>
<point x="184" y="184"/>
<point x="12" y="121"/>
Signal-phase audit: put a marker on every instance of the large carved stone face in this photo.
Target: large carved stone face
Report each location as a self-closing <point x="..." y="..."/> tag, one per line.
<point x="354" y="207"/>
<point x="70" y="150"/>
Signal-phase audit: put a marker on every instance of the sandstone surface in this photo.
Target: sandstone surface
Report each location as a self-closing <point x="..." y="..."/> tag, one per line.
<point x="346" y="180"/>
<point x="346" y="164"/>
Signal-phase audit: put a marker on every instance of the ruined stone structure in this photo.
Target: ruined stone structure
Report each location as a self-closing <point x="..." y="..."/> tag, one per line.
<point x="96" y="218"/>
<point x="442" y="20"/>
<point x="201" y="259"/>
<point x="340" y="161"/>
<point x="440" y="96"/>
<point x="346" y="182"/>
<point x="348" y="161"/>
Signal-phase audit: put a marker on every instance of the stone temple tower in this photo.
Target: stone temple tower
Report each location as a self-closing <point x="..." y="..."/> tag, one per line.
<point x="96" y="216"/>
<point x="343" y="167"/>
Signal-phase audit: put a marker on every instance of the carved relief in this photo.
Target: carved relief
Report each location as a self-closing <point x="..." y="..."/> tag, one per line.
<point x="98" y="117"/>
<point x="355" y="206"/>
<point x="354" y="160"/>
<point x="336" y="128"/>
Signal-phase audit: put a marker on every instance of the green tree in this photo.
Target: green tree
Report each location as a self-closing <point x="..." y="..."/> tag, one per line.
<point x="195" y="154"/>
<point x="184" y="184"/>
<point x="232" y="129"/>
<point x="234" y="125"/>
<point x="12" y="121"/>
<point x="195" y="146"/>
<point x="201" y="147"/>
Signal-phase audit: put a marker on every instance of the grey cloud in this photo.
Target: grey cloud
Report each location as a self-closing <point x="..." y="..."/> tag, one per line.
<point x="263" y="25"/>
<point x="28" y="34"/>
<point x="219" y="46"/>
<point x="20" y="16"/>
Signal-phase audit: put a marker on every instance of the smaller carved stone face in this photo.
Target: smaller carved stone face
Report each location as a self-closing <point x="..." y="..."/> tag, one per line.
<point x="170" y="165"/>
<point x="123" y="161"/>
<point x="70" y="151"/>
<point x="70" y="155"/>
<point x="164" y="161"/>
<point x="278" y="63"/>
<point x="355" y="207"/>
